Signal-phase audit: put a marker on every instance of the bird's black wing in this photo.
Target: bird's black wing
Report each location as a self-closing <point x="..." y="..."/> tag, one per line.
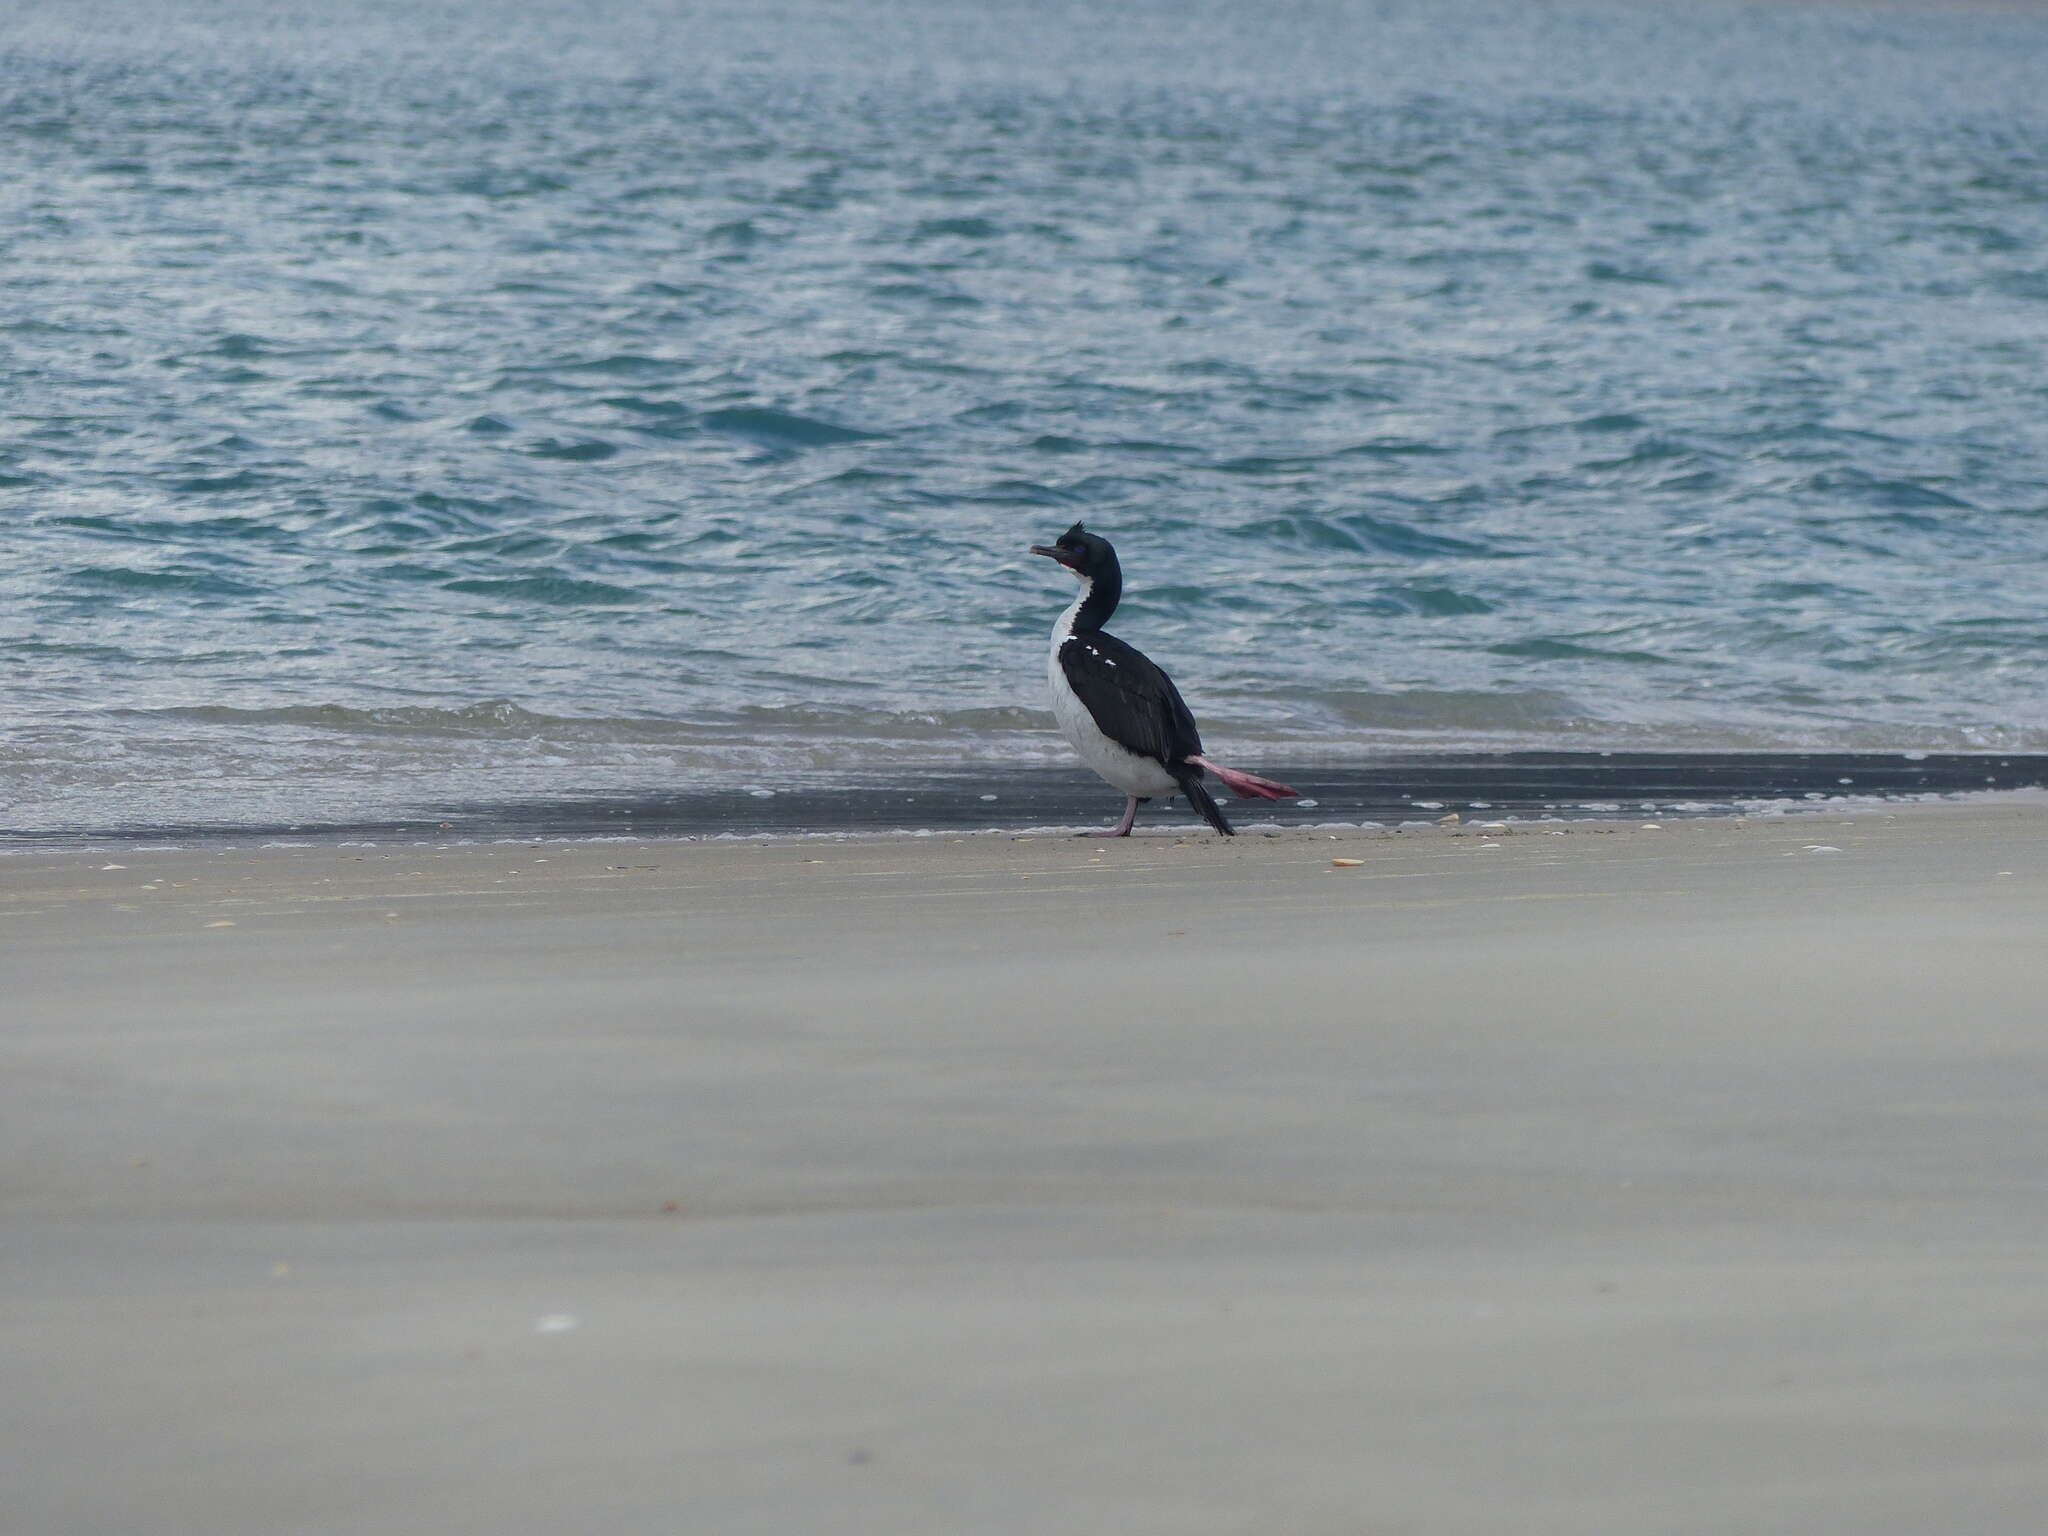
<point x="1134" y="702"/>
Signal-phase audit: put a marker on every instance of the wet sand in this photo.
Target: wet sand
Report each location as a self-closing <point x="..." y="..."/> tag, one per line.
<point x="1395" y="787"/>
<point x="1576" y="1180"/>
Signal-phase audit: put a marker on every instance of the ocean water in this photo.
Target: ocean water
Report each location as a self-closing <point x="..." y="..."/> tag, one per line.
<point x="513" y="401"/>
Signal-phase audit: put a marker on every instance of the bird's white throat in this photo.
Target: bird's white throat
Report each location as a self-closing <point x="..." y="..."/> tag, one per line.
<point x="1063" y="626"/>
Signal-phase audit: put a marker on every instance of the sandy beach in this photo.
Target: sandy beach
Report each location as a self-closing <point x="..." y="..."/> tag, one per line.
<point x="1579" y="1179"/>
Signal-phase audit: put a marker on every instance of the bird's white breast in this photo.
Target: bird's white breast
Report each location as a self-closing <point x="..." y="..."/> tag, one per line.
<point x="1129" y="772"/>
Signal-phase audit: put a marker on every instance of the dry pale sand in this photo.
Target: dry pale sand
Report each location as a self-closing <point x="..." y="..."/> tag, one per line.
<point x="1618" y="1181"/>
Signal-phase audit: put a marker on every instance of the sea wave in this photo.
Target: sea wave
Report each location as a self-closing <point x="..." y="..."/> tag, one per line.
<point x="560" y="398"/>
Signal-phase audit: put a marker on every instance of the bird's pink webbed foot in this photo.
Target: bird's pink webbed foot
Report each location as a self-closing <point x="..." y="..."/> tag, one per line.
<point x="1122" y="828"/>
<point x="1246" y="786"/>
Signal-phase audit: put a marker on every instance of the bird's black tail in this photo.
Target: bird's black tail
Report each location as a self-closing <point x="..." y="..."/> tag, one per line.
<point x="1198" y="796"/>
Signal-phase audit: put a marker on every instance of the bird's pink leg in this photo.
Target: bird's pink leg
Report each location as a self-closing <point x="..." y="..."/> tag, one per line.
<point x="1246" y="786"/>
<point x="1122" y="828"/>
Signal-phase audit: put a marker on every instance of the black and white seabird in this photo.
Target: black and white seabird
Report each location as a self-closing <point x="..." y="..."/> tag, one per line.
<point x="1121" y="712"/>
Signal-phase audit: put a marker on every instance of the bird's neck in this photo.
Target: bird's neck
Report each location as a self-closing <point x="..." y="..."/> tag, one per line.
<point x="1098" y="600"/>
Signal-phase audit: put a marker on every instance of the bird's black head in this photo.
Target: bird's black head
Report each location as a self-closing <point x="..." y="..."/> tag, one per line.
<point x="1089" y="556"/>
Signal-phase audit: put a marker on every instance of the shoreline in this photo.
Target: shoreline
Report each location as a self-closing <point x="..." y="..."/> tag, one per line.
<point x="1386" y="791"/>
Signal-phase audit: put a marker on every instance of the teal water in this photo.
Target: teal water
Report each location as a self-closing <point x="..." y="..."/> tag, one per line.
<point x="405" y="404"/>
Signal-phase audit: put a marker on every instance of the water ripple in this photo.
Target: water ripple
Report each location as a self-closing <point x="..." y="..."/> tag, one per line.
<point x="1600" y="375"/>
